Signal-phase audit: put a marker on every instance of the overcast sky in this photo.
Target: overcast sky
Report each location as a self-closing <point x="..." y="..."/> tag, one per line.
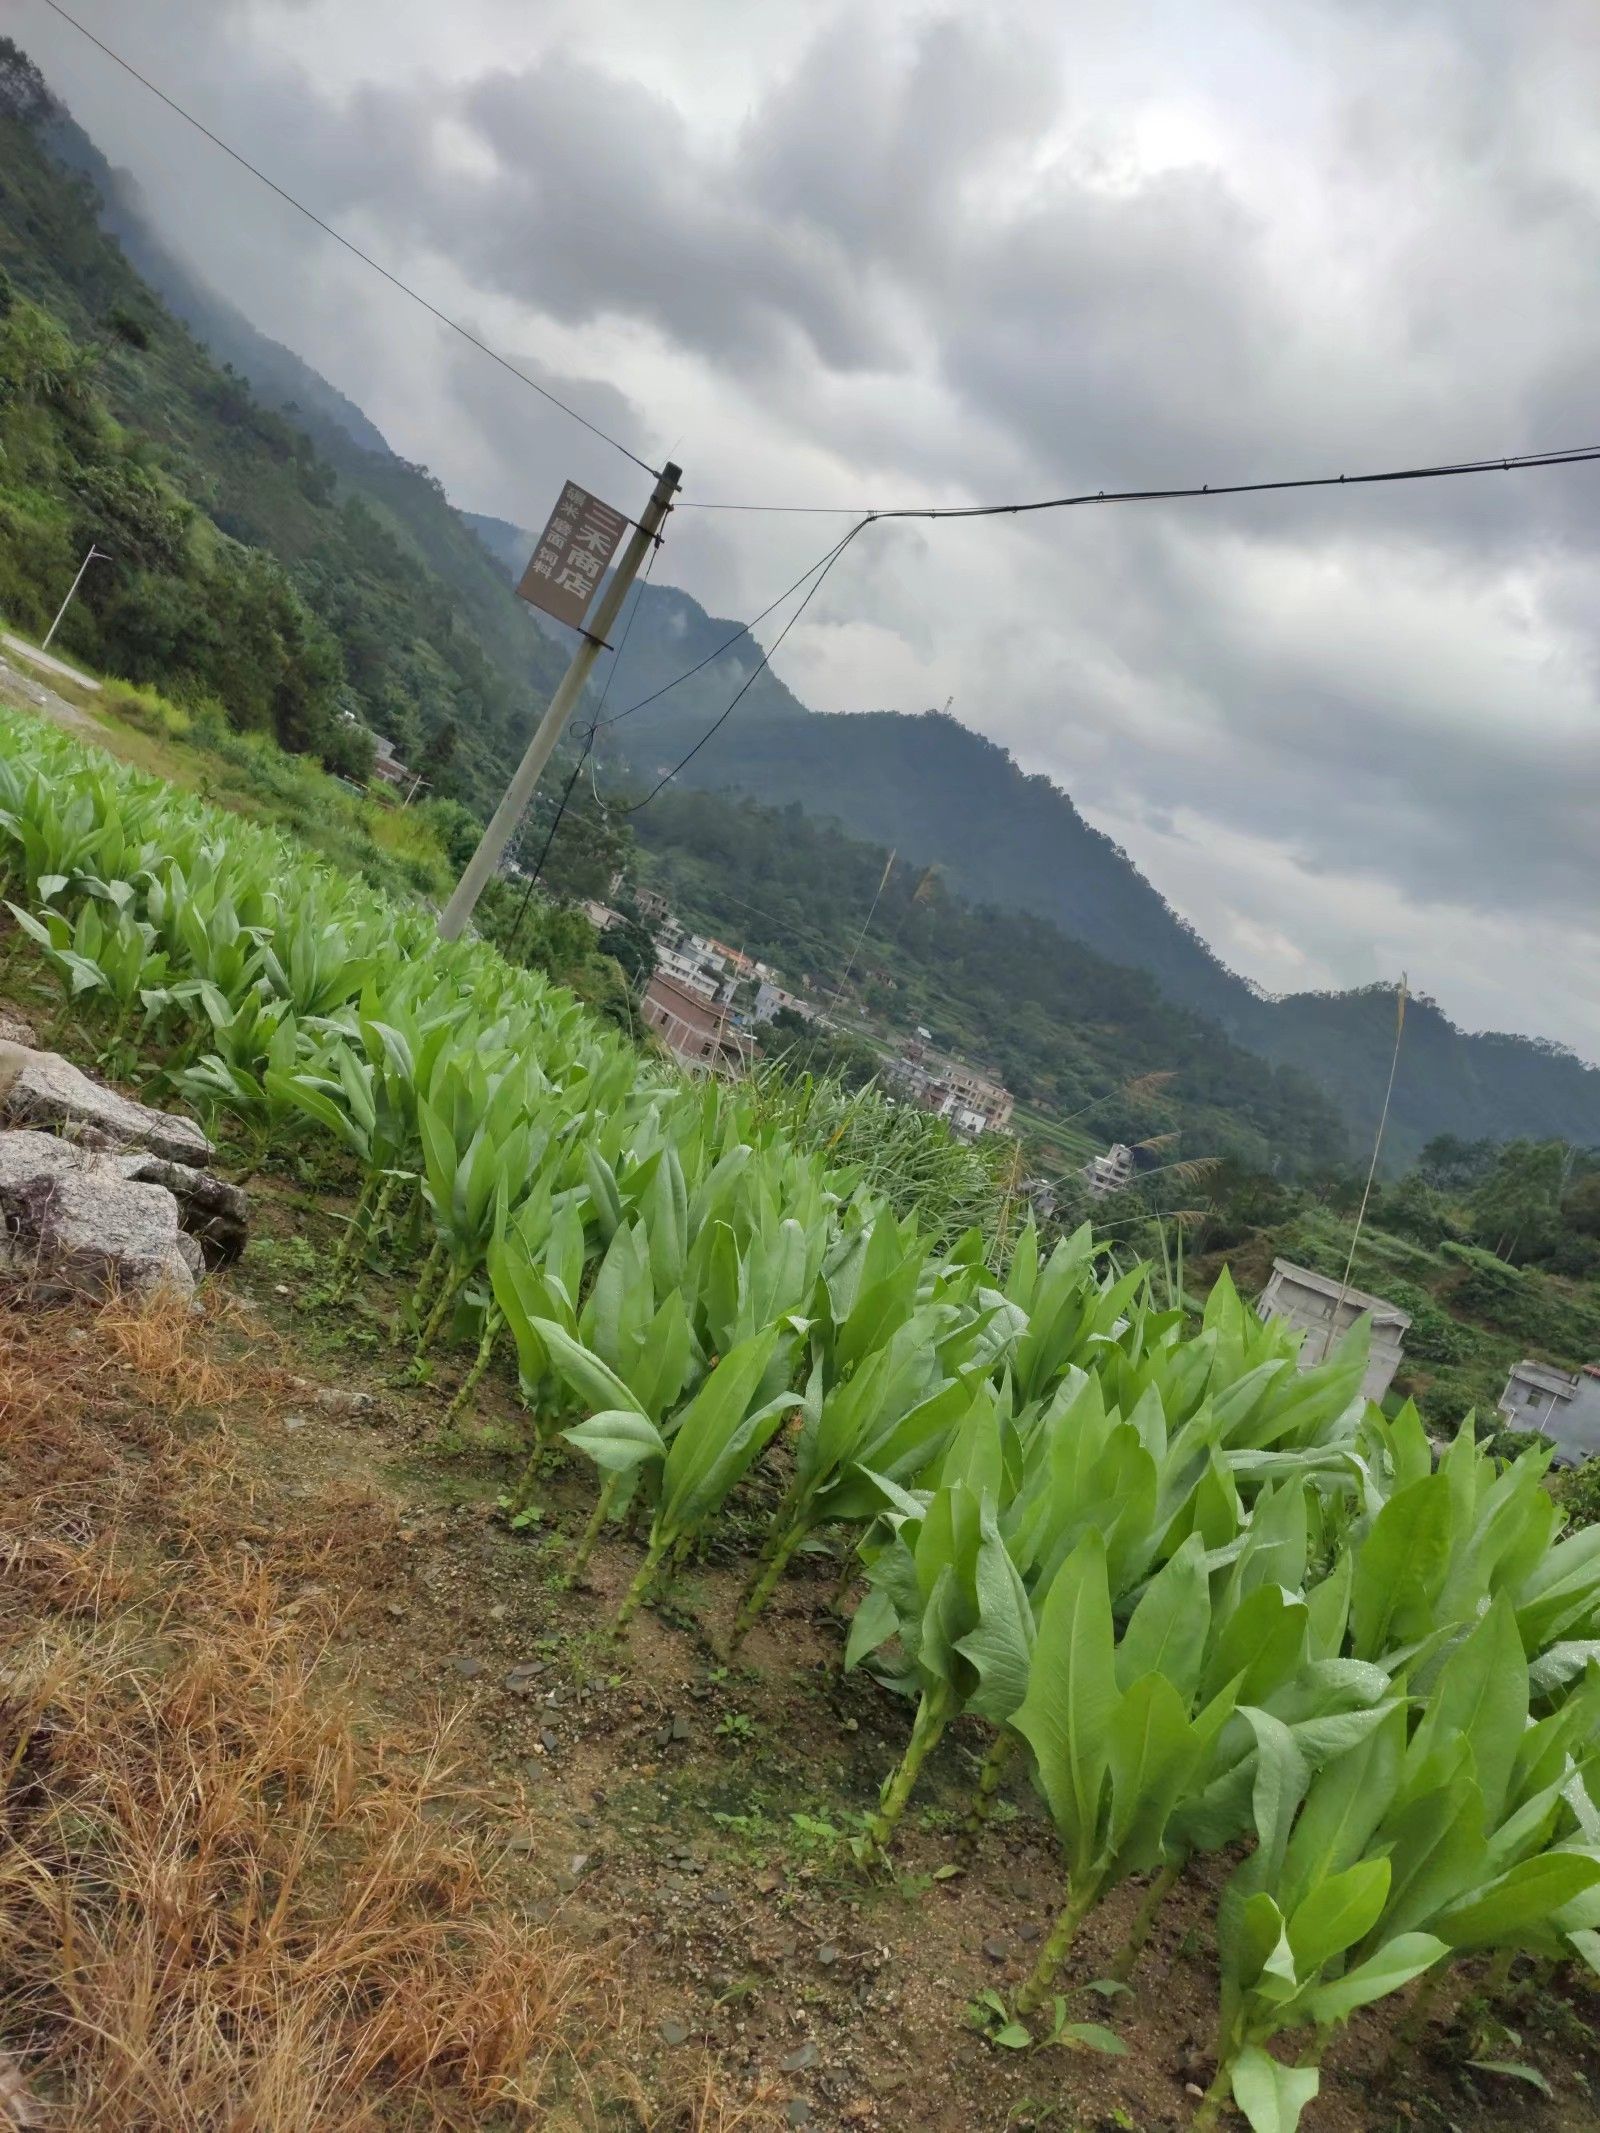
<point x="868" y="255"/>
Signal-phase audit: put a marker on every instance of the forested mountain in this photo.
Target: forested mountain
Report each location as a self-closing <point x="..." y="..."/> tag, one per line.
<point x="947" y="797"/>
<point x="290" y="577"/>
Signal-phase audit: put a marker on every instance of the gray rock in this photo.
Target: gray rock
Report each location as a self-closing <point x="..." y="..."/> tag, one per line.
<point x="43" y="1089"/>
<point x="77" y="1223"/>
<point x="796" y="2062"/>
<point x="336" y="1399"/>
<point x="217" y="1216"/>
<point x="674" y="2032"/>
<point x="467" y="1665"/>
<point x="14" y="1030"/>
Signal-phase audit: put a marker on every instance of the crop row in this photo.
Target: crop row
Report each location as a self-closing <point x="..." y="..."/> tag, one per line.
<point x="1217" y="1604"/>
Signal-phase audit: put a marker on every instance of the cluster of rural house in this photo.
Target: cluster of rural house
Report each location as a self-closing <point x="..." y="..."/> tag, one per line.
<point x="1559" y="1404"/>
<point x="974" y="1103"/>
<point x="693" y="1003"/>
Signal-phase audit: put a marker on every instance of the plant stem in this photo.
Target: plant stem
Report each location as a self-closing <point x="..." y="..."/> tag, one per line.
<point x="760" y="1590"/>
<point x="347" y="1243"/>
<point x="1054" y="1952"/>
<point x="1209" y="2112"/>
<point x="1408" y="2031"/>
<point x="641" y="1585"/>
<point x="1144" y="1918"/>
<point x="1002" y="1750"/>
<point x="492" y="1324"/>
<point x="425" y="1280"/>
<point x="933" y="1714"/>
<point x="447" y="1296"/>
<point x="597" y="1518"/>
<point x="847" y="1578"/>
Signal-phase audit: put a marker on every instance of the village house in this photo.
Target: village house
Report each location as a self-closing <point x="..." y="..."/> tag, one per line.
<point x="1562" y="1405"/>
<point x="1112" y="1172"/>
<point x="973" y="1103"/>
<point x="771" y="998"/>
<point x="1325" y="1310"/>
<point x="697" y="1029"/>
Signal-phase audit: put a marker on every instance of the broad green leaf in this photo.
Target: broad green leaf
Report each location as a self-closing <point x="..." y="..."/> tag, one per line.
<point x="617" y="1438"/>
<point x="1523" y="1897"/>
<point x="1167" y="1630"/>
<point x="1390" y="1967"/>
<point x="1401" y="1568"/>
<point x="1072" y="1692"/>
<point x="717" y="1436"/>
<point x="592" y="1380"/>
<point x="1152" y="1752"/>
<point x="1337" y="1913"/>
<point x="1272" y="2095"/>
<point x="1480" y="1696"/>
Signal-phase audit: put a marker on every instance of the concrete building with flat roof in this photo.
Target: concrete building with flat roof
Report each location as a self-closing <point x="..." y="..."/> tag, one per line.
<point x="1325" y="1310"/>
<point x="1563" y="1405"/>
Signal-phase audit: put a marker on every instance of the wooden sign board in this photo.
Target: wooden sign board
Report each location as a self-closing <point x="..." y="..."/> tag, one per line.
<point x="572" y="555"/>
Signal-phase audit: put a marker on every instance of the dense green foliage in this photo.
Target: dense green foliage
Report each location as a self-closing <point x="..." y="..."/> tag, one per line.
<point x="245" y="568"/>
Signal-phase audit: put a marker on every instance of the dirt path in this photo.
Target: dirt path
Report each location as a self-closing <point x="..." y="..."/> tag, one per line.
<point x="25" y="692"/>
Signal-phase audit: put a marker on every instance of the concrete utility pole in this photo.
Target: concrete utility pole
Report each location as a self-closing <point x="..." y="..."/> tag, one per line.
<point x="481" y="866"/>
<point x="95" y="555"/>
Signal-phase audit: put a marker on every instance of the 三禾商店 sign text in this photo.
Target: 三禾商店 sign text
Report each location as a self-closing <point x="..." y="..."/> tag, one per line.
<point x="572" y="555"/>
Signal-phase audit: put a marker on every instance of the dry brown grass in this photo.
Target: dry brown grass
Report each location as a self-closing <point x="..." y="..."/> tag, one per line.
<point x="222" y="1902"/>
<point x="223" y="1909"/>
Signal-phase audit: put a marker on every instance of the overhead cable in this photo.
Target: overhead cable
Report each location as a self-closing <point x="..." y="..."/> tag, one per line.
<point x="1578" y="455"/>
<point x="339" y="237"/>
<point x="827" y="564"/>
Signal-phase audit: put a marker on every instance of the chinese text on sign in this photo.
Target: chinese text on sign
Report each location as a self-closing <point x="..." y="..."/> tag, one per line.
<point x="572" y="555"/>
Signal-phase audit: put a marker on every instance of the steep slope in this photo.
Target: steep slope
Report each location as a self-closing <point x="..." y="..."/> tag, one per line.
<point x="417" y="631"/>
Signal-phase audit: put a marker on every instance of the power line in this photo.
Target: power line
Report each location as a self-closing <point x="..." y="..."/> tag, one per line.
<point x="1579" y="455"/>
<point x="815" y="587"/>
<point x="338" y="237"/>
<point x="743" y="630"/>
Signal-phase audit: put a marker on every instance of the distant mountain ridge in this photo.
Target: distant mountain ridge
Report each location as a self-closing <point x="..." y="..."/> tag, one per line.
<point x="946" y="796"/>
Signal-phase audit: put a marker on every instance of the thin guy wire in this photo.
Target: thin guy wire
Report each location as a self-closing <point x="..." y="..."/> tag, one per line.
<point x="760" y="666"/>
<point x="338" y="237"/>
<point x="743" y="630"/>
<point x="1579" y="455"/>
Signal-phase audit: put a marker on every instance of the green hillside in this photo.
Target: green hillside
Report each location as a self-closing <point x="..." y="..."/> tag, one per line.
<point x="246" y="566"/>
<point x="1064" y="1028"/>
<point x="945" y="796"/>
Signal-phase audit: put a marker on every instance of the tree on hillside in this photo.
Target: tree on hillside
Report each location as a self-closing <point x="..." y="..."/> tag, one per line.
<point x="1515" y="1208"/>
<point x="24" y="92"/>
<point x="630" y="944"/>
<point x="1451" y="1164"/>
